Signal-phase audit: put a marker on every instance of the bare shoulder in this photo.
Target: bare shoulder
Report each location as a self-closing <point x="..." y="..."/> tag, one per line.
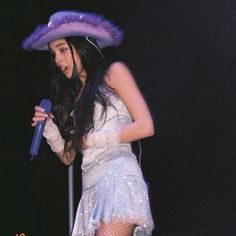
<point x="118" y="72"/>
<point x="118" y="65"/>
<point x="118" y="68"/>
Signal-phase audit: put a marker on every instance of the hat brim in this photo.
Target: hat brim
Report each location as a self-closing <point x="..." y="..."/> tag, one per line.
<point x="74" y="23"/>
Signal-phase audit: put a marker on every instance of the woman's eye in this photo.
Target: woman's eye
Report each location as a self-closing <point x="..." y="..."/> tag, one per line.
<point x="63" y="50"/>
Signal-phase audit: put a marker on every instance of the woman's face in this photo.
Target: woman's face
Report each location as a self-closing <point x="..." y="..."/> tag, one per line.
<point x="63" y="59"/>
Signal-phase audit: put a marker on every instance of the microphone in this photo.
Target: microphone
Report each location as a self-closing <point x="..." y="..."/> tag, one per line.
<point x="38" y="132"/>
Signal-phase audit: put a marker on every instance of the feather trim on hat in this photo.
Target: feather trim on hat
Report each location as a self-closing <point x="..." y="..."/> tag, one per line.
<point x="74" y="23"/>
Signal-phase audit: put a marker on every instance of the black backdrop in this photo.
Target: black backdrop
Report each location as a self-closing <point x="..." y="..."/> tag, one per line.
<point x="182" y="54"/>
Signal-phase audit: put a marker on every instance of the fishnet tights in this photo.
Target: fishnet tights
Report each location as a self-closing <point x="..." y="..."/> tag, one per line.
<point x="115" y="228"/>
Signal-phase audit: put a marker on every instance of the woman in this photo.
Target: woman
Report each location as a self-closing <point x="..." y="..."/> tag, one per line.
<point x="98" y="110"/>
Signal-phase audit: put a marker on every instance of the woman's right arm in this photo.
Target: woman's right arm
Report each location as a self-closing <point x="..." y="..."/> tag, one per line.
<point x="53" y="136"/>
<point x="66" y="157"/>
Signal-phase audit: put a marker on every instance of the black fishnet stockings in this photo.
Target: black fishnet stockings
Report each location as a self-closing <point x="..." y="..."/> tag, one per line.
<point x="115" y="228"/>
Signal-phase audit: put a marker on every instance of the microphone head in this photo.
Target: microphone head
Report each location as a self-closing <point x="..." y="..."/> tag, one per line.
<point x="46" y="105"/>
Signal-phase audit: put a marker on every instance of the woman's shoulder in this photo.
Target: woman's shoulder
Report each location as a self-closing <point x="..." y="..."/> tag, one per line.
<point x="117" y="66"/>
<point x="116" y="72"/>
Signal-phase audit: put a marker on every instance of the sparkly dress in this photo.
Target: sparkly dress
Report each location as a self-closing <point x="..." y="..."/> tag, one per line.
<point x="113" y="185"/>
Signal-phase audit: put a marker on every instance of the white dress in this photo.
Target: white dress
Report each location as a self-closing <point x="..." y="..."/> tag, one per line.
<point x="113" y="185"/>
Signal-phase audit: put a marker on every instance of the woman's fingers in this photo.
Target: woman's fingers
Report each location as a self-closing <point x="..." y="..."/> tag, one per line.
<point x="35" y="119"/>
<point x="38" y="118"/>
<point x="38" y="108"/>
<point x="33" y="124"/>
<point x="40" y="112"/>
<point x="39" y="115"/>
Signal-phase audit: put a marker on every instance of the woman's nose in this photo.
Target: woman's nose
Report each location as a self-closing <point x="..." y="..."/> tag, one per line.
<point x="58" y="59"/>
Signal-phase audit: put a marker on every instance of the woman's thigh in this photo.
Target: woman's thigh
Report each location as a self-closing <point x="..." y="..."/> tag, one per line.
<point x="115" y="228"/>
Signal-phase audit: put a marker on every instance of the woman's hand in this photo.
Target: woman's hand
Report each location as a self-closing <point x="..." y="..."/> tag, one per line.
<point x="53" y="135"/>
<point x="39" y="114"/>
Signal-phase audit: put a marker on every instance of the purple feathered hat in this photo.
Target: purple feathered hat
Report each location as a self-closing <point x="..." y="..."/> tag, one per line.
<point x="74" y="23"/>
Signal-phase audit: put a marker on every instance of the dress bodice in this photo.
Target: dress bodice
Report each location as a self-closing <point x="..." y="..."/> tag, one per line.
<point x="116" y="116"/>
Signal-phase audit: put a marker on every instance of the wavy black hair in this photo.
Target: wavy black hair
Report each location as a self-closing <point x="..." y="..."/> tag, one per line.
<point x="65" y="93"/>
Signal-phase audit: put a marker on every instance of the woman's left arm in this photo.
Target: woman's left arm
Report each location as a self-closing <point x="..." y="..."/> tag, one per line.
<point x="121" y="80"/>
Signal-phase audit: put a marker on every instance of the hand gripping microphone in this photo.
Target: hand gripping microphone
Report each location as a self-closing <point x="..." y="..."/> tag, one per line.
<point x="38" y="132"/>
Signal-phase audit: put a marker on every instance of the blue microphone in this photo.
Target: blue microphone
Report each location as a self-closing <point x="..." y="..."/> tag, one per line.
<point x="38" y="132"/>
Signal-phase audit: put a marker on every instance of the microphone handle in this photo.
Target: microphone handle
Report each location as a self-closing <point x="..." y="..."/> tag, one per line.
<point x="37" y="137"/>
<point x="38" y="132"/>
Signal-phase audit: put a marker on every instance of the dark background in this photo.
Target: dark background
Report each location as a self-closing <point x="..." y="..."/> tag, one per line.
<point x="182" y="54"/>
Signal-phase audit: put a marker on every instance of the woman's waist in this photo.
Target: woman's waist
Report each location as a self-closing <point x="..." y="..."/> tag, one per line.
<point x="122" y="166"/>
<point x="95" y="156"/>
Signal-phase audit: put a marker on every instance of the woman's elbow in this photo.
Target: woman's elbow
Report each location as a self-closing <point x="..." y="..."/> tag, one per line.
<point x="67" y="163"/>
<point x="151" y="131"/>
<point x="64" y="161"/>
<point x="148" y="129"/>
<point x="66" y="158"/>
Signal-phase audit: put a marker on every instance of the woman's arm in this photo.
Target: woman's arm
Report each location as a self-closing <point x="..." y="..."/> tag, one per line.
<point x="53" y="136"/>
<point x="121" y="80"/>
<point x="66" y="157"/>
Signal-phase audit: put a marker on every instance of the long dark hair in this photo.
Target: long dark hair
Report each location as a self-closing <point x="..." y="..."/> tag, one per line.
<point x="65" y="91"/>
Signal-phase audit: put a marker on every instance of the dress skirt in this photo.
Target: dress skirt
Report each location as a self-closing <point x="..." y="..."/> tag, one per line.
<point x="113" y="189"/>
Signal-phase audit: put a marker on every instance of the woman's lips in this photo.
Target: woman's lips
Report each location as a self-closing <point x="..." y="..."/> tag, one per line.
<point x="63" y="69"/>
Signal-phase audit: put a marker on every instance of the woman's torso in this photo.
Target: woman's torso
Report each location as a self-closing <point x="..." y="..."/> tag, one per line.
<point x="115" y="117"/>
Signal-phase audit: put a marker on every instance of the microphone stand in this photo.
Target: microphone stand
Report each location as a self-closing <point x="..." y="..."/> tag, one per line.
<point x="70" y="197"/>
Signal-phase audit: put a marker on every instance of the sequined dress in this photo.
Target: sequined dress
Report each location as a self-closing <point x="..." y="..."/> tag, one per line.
<point x="113" y="185"/>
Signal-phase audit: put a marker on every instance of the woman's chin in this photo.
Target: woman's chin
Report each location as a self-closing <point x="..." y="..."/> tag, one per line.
<point x="68" y="76"/>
